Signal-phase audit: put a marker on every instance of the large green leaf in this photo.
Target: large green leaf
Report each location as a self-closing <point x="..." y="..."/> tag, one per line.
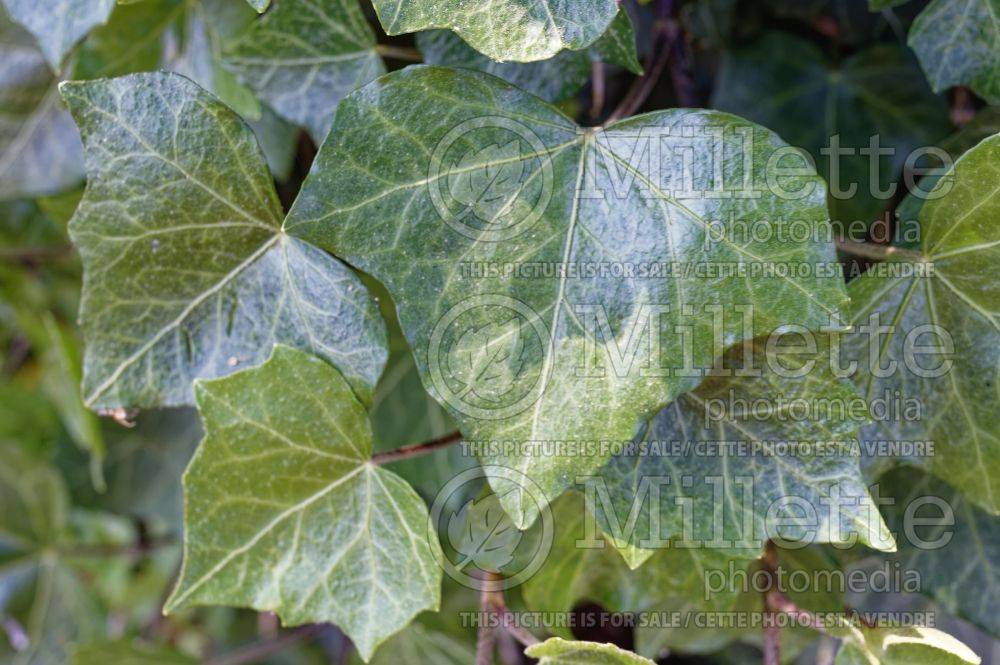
<point x="285" y="513"/>
<point x="555" y="79"/>
<point x="59" y="24"/>
<point x="942" y="352"/>
<point x="519" y="30"/>
<point x="786" y="84"/>
<point x="771" y="465"/>
<point x="956" y="559"/>
<point x="956" y="41"/>
<point x="187" y="271"/>
<point x="40" y="150"/>
<point x="509" y="355"/>
<point x="302" y="57"/>
<point x="557" y="651"/>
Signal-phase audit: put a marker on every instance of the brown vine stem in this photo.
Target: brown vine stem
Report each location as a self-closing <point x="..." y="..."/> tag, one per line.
<point x="597" y="86"/>
<point x="257" y="652"/>
<point x="870" y="250"/>
<point x="416" y="449"/>
<point x="493" y="597"/>
<point x="487" y="637"/>
<point x="772" y="633"/>
<point x="405" y="53"/>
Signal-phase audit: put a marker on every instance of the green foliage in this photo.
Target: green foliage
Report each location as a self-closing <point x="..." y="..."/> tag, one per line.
<point x="518" y="353"/>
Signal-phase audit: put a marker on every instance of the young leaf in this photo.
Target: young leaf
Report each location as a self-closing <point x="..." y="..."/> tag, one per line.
<point x="187" y="273"/>
<point x="903" y="646"/>
<point x="284" y="512"/>
<point x="943" y="343"/>
<point x="820" y="469"/>
<point x="584" y="198"/>
<point x="40" y="151"/>
<point x="303" y="57"/>
<point x="518" y="30"/>
<point x="557" y="651"/>
<point x="956" y="42"/>
<point x="59" y="24"/>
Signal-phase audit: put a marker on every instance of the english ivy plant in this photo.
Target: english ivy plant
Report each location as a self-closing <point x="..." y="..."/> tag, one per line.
<point x="559" y="331"/>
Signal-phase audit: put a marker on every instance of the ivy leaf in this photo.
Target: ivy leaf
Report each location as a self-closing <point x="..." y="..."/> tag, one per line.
<point x="557" y="651"/>
<point x="59" y="24"/>
<point x="554" y="80"/>
<point x="209" y="27"/>
<point x="486" y="181"/>
<point x="903" y="646"/>
<point x="813" y="460"/>
<point x="37" y="590"/>
<point x="948" y="372"/>
<point x="617" y="45"/>
<point x="346" y="210"/>
<point x="131" y="41"/>
<point x="285" y="513"/>
<point x="488" y="359"/>
<point x="483" y="534"/>
<point x="40" y="151"/>
<point x="260" y="5"/>
<point x="518" y="30"/>
<point x="960" y="573"/>
<point x="419" y="645"/>
<point x="187" y="273"/>
<point x="955" y="41"/>
<point x="34" y="500"/>
<point x="878" y="91"/>
<point x="303" y="78"/>
<point x="579" y="568"/>
<point x="126" y="653"/>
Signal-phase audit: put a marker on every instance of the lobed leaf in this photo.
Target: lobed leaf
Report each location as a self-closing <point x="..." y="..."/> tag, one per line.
<point x="187" y="272"/>
<point x="380" y="196"/>
<point x="302" y="57"/>
<point x="943" y="347"/>
<point x="284" y="512"/>
<point x="748" y="474"/>
<point x="955" y="41"/>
